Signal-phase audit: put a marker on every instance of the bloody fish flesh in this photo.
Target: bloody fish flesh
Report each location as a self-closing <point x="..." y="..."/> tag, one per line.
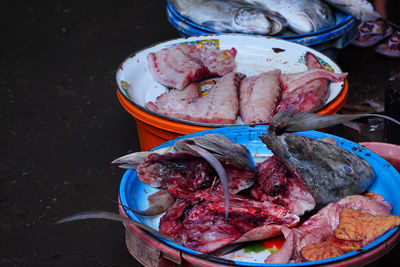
<point x="197" y="221"/>
<point x="181" y="173"/>
<point x="274" y="183"/>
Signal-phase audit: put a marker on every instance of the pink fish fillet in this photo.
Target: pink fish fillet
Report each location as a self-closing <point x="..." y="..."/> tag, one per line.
<point x="323" y="224"/>
<point x="259" y="96"/>
<point x="293" y="81"/>
<point x="308" y="90"/>
<point x="178" y="65"/>
<point x="220" y="104"/>
<point x="174" y="102"/>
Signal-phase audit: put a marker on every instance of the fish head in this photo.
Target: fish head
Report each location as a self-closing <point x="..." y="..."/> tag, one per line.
<point x="253" y="19"/>
<point x="328" y="171"/>
<point x="301" y="23"/>
<point x="311" y="17"/>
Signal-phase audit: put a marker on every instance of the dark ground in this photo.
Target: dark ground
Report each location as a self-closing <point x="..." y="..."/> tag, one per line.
<point x="61" y="122"/>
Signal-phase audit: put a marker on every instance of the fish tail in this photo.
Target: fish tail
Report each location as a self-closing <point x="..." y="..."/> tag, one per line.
<point x="292" y="121"/>
<point x="111" y="216"/>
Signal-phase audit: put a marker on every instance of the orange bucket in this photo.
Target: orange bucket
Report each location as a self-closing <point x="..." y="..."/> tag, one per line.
<point x="153" y="130"/>
<point x="255" y="54"/>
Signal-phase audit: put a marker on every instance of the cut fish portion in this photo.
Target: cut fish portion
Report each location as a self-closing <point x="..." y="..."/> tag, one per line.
<point x="274" y="183"/>
<point x="219" y="105"/>
<point x="198" y="221"/>
<point x="308" y="94"/>
<point x="173" y="103"/>
<point x="322" y="225"/>
<point x="179" y="65"/>
<point x="259" y="96"/>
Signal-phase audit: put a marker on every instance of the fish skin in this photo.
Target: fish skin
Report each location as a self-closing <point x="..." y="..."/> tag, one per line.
<point x="230" y="16"/>
<point x="360" y="9"/>
<point x="329" y="172"/>
<point x="221" y="147"/>
<point x="303" y="16"/>
<point x="305" y="121"/>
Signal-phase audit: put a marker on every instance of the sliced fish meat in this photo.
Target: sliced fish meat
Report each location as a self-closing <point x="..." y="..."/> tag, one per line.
<point x="179" y="65"/>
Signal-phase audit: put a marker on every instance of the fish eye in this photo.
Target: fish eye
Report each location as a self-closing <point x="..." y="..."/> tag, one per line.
<point x="347" y="169"/>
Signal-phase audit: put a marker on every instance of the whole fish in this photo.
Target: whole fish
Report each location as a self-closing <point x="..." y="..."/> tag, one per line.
<point x="360" y="9"/>
<point x="303" y="16"/>
<point x="230" y="16"/>
<point x="329" y="172"/>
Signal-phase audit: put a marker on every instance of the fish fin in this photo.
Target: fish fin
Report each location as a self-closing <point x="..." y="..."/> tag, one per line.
<point x="221" y="147"/>
<point x="132" y="160"/>
<point x="159" y="202"/>
<point x="297" y="121"/>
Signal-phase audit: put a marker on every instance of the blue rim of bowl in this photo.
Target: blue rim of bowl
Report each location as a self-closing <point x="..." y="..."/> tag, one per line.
<point x="344" y="143"/>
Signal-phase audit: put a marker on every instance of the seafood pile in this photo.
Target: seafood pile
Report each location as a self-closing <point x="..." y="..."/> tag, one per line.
<point x="270" y="17"/>
<point x="235" y="97"/>
<point x="212" y="194"/>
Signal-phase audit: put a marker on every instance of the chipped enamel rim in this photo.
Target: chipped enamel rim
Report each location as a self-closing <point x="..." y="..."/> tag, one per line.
<point x="133" y="193"/>
<point x="255" y="55"/>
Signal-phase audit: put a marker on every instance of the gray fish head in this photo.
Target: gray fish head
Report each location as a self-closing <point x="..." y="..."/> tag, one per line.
<point x="253" y="19"/>
<point x="329" y="172"/>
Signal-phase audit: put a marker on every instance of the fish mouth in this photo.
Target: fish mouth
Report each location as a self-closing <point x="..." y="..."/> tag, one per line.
<point x="261" y="22"/>
<point x="303" y="25"/>
<point x="252" y="19"/>
<point x="279" y="23"/>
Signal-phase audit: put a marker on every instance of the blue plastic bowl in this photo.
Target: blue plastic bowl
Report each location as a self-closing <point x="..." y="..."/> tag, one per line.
<point x="338" y="36"/>
<point x="133" y="193"/>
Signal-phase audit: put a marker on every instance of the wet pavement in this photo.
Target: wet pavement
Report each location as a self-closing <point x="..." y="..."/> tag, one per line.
<point x="61" y="122"/>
